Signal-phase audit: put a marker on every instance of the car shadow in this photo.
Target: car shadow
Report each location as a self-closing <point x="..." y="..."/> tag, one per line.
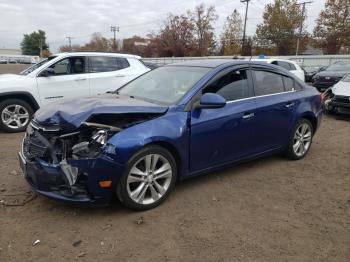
<point x="187" y="185"/>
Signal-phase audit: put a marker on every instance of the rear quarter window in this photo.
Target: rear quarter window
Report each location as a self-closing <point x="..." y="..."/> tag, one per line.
<point x="290" y="84"/>
<point x="100" y="64"/>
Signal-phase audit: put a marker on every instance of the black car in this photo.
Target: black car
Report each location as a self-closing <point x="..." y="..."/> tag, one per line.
<point x="311" y="71"/>
<point x="331" y="75"/>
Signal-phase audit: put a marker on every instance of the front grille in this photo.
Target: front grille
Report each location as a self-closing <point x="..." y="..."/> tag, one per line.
<point x="342" y="99"/>
<point x="33" y="147"/>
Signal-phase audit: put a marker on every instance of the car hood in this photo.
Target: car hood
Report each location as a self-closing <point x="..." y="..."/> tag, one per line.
<point x="332" y="73"/>
<point x="69" y="114"/>
<point x="10" y="77"/>
<point x="341" y="89"/>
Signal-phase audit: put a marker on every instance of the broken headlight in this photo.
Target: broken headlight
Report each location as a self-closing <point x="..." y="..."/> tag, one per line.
<point x="91" y="148"/>
<point x="100" y="137"/>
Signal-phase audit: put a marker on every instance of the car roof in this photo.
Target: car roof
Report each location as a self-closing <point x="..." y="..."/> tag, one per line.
<point x="213" y="63"/>
<point x="96" y="54"/>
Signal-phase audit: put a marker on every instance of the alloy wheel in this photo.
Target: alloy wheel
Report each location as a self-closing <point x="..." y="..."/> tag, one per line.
<point x="149" y="179"/>
<point x="302" y="139"/>
<point x="15" y="116"/>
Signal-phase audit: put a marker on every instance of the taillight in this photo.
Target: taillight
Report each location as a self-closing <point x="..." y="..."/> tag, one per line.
<point x="322" y="96"/>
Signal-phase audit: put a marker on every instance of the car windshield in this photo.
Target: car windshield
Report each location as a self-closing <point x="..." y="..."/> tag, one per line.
<point x="36" y="66"/>
<point x="164" y="85"/>
<point x="346" y="78"/>
<point x="339" y="67"/>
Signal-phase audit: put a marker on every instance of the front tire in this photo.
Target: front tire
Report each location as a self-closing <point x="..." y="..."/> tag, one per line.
<point x="301" y="139"/>
<point x="148" y="179"/>
<point x="15" y="115"/>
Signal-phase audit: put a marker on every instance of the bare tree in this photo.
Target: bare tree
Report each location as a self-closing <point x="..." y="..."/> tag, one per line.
<point x="203" y="19"/>
<point x="232" y="35"/>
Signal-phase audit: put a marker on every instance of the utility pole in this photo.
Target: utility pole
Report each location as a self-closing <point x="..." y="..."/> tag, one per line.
<point x="70" y="42"/>
<point x="41" y="47"/>
<point x="114" y="29"/>
<point x="245" y="23"/>
<point x="301" y="24"/>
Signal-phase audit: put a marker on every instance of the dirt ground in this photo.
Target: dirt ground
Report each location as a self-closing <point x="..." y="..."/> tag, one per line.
<point x="270" y="209"/>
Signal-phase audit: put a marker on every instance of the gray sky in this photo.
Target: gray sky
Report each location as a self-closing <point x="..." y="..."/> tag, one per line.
<point x="81" y="18"/>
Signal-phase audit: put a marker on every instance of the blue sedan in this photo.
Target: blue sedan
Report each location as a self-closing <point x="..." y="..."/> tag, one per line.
<point x="172" y="123"/>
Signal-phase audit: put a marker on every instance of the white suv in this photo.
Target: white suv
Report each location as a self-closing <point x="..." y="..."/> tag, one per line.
<point x="61" y="76"/>
<point x="289" y="65"/>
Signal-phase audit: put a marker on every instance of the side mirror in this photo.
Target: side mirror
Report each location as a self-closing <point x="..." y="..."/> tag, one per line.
<point x="210" y="100"/>
<point x="47" y="72"/>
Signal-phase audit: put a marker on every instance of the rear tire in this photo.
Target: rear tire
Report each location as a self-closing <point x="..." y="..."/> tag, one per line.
<point x="15" y="115"/>
<point x="149" y="177"/>
<point x="300" y="140"/>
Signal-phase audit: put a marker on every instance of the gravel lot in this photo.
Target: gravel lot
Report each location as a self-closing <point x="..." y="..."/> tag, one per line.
<point x="270" y="209"/>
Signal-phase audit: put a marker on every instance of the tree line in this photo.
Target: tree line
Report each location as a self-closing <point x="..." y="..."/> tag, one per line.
<point x="192" y="34"/>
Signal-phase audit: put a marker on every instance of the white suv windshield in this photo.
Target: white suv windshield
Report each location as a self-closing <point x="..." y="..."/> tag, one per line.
<point x="346" y="78"/>
<point x="36" y="66"/>
<point x="166" y="85"/>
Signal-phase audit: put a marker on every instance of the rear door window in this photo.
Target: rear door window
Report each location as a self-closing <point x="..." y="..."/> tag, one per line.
<point x="100" y="64"/>
<point x="267" y="83"/>
<point x="285" y="65"/>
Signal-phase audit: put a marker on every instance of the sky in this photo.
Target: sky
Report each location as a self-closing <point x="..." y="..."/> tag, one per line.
<point x="80" y="18"/>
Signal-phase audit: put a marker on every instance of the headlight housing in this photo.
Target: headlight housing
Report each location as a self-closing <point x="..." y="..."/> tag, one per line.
<point x="100" y="137"/>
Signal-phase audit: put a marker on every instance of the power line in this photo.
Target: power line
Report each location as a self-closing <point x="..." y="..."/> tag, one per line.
<point x="301" y="24"/>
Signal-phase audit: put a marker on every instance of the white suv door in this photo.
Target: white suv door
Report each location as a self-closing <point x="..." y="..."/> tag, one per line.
<point x="108" y="73"/>
<point x="65" y="79"/>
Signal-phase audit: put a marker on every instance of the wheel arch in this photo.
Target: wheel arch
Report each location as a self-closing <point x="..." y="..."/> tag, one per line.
<point x="25" y="96"/>
<point x="312" y="118"/>
<point x="174" y="152"/>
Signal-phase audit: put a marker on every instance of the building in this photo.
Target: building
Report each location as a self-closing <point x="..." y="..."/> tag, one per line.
<point x="8" y="51"/>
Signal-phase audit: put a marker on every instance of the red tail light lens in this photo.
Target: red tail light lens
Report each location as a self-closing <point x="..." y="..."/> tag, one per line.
<point x="323" y="96"/>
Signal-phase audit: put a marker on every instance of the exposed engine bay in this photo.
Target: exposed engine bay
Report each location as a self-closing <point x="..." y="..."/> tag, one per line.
<point x="336" y="103"/>
<point x="58" y="147"/>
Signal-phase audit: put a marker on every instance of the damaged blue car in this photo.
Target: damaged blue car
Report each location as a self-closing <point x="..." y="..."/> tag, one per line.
<point x="172" y="123"/>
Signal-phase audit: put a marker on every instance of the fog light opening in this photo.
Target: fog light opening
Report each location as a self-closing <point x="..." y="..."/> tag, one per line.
<point x="105" y="184"/>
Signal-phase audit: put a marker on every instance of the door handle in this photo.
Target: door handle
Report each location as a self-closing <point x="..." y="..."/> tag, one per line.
<point x="80" y="79"/>
<point x="120" y="75"/>
<point x="290" y="104"/>
<point x="248" y="115"/>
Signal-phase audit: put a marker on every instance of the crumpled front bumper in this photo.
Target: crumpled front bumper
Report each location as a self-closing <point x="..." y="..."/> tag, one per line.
<point x="48" y="179"/>
<point x="339" y="107"/>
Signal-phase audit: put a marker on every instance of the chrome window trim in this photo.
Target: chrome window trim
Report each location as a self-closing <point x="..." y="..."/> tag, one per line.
<point x="247" y="98"/>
